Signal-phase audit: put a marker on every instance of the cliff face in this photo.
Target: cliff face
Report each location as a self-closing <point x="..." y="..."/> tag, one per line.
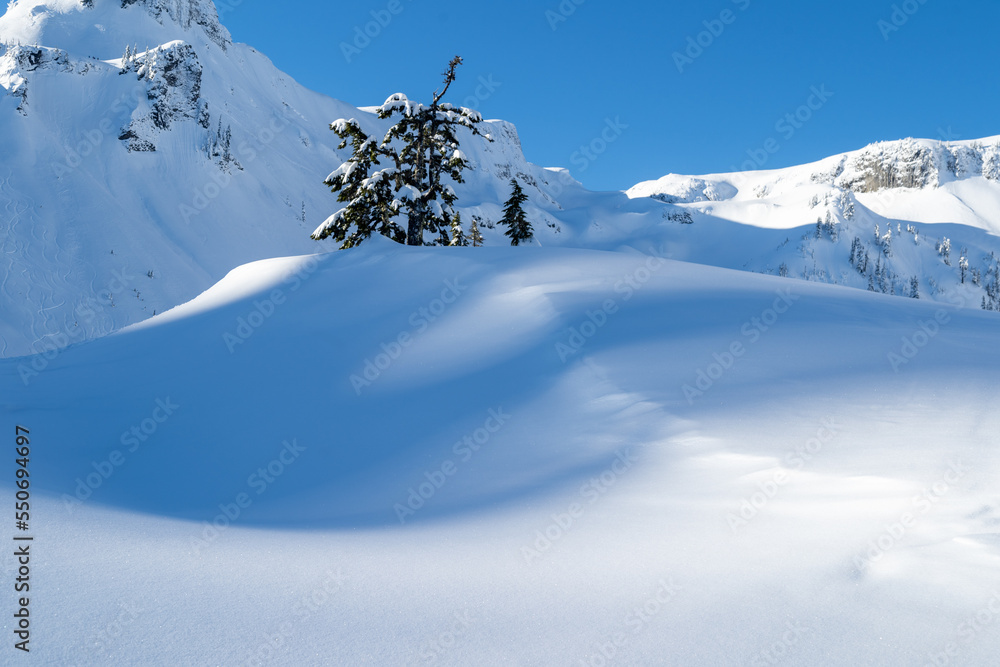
<point x="186" y="14"/>
<point x="917" y="164"/>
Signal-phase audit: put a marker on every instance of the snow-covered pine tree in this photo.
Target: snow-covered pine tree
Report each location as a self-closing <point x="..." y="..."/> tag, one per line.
<point x="963" y="265"/>
<point x="422" y="153"/>
<point x="458" y="237"/>
<point x="474" y="234"/>
<point x="944" y="249"/>
<point x="518" y="227"/>
<point x="915" y="287"/>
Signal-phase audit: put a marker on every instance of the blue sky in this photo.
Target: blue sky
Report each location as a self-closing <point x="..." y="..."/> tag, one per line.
<point x="564" y="73"/>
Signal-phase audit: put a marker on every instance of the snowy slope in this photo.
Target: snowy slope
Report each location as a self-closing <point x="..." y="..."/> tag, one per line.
<point x="917" y="207"/>
<point x="131" y="185"/>
<point x="473" y="456"/>
<point x="188" y="160"/>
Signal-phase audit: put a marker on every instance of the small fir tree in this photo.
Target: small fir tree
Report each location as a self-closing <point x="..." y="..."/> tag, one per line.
<point x="458" y="237"/>
<point x="474" y="234"/>
<point x="518" y="228"/>
<point x="412" y="188"/>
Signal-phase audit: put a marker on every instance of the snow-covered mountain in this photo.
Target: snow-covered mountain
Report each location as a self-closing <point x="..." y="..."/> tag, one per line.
<point x="632" y="450"/>
<point x="147" y="155"/>
<point x="876" y="218"/>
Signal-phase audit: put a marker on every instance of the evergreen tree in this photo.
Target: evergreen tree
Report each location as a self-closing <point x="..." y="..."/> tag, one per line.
<point x="518" y="227"/>
<point x="474" y="234"/>
<point x="421" y="155"/>
<point x="458" y="237"/>
<point x="915" y="287"/>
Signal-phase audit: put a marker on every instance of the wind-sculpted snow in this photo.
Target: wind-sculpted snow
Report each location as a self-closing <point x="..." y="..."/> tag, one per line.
<point x="395" y="455"/>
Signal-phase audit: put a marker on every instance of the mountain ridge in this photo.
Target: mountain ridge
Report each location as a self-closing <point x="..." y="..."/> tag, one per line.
<point x="175" y="155"/>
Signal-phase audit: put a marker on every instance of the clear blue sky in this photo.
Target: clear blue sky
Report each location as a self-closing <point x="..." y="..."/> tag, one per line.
<point x="615" y="60"/>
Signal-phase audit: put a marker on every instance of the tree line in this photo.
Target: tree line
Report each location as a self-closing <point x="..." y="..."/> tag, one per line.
<point x="402" y="186"/>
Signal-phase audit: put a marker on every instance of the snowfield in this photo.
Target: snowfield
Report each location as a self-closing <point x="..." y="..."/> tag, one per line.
<point x="480" y="456"/>
<point x="694" y="423"/>
<point x="147" y="155"/>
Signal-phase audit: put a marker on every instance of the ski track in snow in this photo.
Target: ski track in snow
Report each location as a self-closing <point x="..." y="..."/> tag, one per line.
<point x="29" y="247"/>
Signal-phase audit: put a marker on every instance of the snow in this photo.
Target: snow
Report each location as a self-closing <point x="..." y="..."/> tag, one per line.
<point x="158" y="200"/>
<point x="628" y="443"/>
<point x="635" y="485"/>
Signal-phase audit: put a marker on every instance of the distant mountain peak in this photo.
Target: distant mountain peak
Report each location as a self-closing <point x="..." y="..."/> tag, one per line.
<point x="102" y="28"/>
<point x="185" y="13"/>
